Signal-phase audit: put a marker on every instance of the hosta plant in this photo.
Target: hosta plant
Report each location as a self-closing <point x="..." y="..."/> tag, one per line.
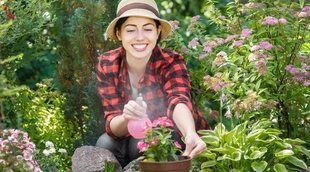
<point x="252" y="147"/>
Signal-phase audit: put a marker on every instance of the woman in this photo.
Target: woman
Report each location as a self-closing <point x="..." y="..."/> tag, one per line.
<point x="141" y="66"/>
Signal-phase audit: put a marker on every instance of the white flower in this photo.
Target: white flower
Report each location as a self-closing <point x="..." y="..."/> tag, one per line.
<point x="2" y="2"/>
<point x="44" y="31"/>
<point x="46" y="152"/>
<point x="47" y="16"/>
<point x="61" y="150"/>
<point x="49" y="144"/>
<point x="30" y="45"/>
<point x="52" y="150"/>
<point x="222" y="54"/>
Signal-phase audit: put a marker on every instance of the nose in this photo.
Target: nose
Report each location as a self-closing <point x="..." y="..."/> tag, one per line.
<point x="140" y="35"/>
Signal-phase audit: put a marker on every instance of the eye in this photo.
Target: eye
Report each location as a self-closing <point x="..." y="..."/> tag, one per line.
<point x="130" y="30"/>
<point x="148" y="29"/>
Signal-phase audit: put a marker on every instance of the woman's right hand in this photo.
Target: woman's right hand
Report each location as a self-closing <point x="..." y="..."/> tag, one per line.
<point x="134" y="110"/>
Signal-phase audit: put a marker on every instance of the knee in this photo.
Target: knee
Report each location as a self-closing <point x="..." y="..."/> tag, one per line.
<point x="106" y="141"/>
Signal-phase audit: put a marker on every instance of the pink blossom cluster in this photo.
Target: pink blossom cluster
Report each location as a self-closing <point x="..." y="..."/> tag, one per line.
<point x="193" y="23"/>
<point x="174" y="24"/>
<point x="300" y="75"/>
<point x="305" y="12"/>
<point x="216" y="83"/>
<point x="249" y="104"/>
<point x="17" y="151"/>
<point x="253" y="5"/>
<point x="220" y="59"/>
<point x="258" y="57"/>
<point x="237" y="40"/>
<point x="270" y="21"/>
<point x="193" y="43"/>
<point x="162" y="121"/>
<point x="153" y="142"/>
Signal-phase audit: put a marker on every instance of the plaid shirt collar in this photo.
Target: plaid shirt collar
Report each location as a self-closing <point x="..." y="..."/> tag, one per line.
<point x="149" y="75"/>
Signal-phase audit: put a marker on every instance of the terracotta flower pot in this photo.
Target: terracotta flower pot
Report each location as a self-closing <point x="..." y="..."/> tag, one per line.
<point x="182" y="165"/>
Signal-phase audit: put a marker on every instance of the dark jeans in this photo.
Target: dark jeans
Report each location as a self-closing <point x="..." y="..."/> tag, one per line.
<point x="125" y="150"/>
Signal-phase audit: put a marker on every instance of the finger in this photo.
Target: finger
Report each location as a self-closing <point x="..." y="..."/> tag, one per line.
<point x="188" y="150"/>
<point x="138" y="110"/>
<point x="197" y="150"/>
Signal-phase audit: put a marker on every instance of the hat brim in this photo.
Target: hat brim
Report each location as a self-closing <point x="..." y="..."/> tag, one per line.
<point x="165" y="30"/>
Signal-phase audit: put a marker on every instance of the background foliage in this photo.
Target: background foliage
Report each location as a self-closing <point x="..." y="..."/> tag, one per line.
<point x="49" y="49"/>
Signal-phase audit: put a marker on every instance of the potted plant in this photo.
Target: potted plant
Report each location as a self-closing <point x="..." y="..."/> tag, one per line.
<point x="160" y="151"/>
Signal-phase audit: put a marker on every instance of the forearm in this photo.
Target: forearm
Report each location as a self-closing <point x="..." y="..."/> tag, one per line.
<point x="184" y="120"/>
<point x="118" y="126"/>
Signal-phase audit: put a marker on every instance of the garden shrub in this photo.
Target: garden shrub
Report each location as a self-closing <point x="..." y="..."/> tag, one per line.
<point x="40" y="113"/>
<point x="255" y="66"/>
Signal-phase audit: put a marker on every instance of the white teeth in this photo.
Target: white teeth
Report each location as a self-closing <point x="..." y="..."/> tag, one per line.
<point x="139" y="46"/>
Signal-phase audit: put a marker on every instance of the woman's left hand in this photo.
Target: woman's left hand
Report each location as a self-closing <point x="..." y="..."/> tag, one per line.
<point x="194" y="145"/>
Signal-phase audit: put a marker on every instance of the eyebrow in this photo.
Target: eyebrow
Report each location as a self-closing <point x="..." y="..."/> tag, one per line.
<point x="136" y="25"/>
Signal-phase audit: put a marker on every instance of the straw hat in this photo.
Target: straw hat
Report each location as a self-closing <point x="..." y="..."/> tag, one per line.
<point x="140" y="8"/>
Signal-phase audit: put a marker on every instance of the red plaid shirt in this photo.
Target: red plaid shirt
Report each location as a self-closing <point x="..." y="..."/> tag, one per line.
<point x="164" y="85"/>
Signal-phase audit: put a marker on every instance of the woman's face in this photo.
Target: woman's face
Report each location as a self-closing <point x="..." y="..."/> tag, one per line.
<point x="139" y="36"/>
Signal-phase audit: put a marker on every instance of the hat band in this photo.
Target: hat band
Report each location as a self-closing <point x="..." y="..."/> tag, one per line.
<point x="137" y="6"/>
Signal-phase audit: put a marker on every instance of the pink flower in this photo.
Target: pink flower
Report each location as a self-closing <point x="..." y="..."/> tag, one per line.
<point x="237" y="43"/>
<point x="142" y="146"/>
<point x="207" y="49"/>
<point x="246" y="32"/>
<point x="255" y="48"/>
<point x="174" y="24"/>
<point x="219" y="41"/>
<point x="269" y="20"/>
<point x="193" y="43"/>
<point x="177" y="144"/>
<point x="282" y="21"/>
<point x="228" y="114"/>
<point x="195" y="19"/>
<point x="261" y="66"/>
<point x="305" y="12"/>
<point x="265" y="45"/>
<point x="154" y="142"/>
<point x="163" y="121"/>
<point x="230" y="38"/>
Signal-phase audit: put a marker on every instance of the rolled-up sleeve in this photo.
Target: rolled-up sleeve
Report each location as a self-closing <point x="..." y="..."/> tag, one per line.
<point x="177" y="84"/>
<point x="108" y="92"/>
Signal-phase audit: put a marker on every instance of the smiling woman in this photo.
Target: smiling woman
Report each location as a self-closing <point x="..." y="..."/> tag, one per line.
<point x="141" y="80"/>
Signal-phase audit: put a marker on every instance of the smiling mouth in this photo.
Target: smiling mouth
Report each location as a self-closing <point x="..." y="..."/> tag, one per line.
<point x="139" y="47"/>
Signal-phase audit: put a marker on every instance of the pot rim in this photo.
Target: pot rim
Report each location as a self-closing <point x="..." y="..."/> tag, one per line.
<point x="186" y="158"/>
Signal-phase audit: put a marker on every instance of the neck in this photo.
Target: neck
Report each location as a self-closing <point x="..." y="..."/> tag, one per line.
<point x="137" y="66"/>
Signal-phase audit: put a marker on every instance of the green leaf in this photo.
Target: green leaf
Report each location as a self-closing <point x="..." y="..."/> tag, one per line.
<point x="294" y="141"/>
<point x="254" y="134"/>
<point x="259" y="166"/>
<point x="305" y="151"/>
<point x="279" y="168"/>
<point x="301" y="3"/>
<point x="283" y="145"/>
<point x="235" y="156"/>
<point x="220" y="130"/>
<point x="208" y="154"/>
<point x="208" y="164"/>
<point x="256" y="154"/>
<point x="206" y="132"/>
<point x="297" y="162"/>
<point x="284" y="153"/>
<point x="212" y="140"/>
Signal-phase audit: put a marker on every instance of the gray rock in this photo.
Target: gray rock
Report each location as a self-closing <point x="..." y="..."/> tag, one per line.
<point x="93" y="159"/>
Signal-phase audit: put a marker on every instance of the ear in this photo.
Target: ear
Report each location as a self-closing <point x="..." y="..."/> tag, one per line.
<point x="118" y="35"/>
<point x="159" y="30"/>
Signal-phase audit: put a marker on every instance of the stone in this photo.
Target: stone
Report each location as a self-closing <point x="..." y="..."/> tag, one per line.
<point x="93" y="159"/>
